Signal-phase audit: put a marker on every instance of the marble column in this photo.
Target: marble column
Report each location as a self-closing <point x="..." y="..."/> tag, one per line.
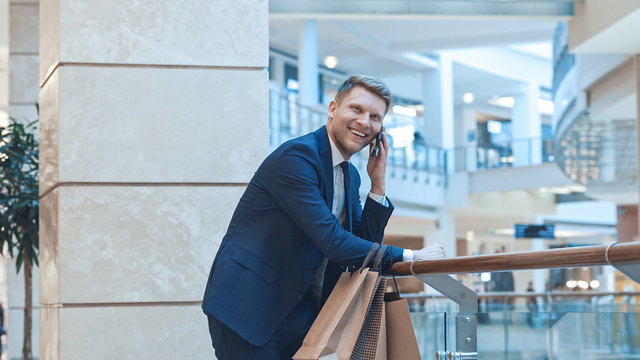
<point x="154" y="116"/>
<point x="23" y="94"/>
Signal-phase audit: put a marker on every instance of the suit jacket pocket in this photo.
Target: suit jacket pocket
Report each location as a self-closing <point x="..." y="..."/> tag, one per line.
<point x="255" y="264"/>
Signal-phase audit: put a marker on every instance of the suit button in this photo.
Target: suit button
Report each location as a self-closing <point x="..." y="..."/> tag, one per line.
<point x="299" y="296"/>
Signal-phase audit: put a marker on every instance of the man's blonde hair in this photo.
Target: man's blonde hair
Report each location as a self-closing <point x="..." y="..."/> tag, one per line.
<point x="369" y="83"/>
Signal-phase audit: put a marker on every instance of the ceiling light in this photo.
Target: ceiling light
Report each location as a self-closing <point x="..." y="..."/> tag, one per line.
<point x="595" y="284"/>
<point x="331" y="61"/>
<point x="505" y="101"/>
<point x="467" y="98"/>
<point x="486" y="277"/>
<point x="572" y="284"/>
<point x="583" y="284"/>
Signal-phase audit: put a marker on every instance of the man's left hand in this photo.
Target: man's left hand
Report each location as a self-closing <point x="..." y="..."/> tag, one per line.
<point x="377" y="166"/>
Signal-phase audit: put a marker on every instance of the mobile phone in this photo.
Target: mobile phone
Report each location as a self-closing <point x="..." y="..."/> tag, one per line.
<point x="376" y="144"/>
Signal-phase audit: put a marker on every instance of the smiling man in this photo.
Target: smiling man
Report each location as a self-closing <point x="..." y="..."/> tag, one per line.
<point x="298" y="225"/>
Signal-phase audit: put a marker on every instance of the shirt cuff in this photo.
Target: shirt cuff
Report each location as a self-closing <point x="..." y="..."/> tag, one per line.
<point x="407" y="255"/>
<point x="380" y="199"/>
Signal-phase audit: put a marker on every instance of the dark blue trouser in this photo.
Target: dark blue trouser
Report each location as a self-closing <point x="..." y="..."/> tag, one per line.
<point x="286" y="340"/>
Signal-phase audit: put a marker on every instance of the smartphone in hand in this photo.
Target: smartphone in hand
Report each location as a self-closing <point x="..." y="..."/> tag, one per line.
<point x="376" y="144"/>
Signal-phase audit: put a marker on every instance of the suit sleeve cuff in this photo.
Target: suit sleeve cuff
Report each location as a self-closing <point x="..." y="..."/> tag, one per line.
<point x="380" y="199"/>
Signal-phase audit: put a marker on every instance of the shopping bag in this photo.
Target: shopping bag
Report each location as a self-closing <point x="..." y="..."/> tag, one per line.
<point x="342" y="316"/>
<point x="370" y="345"/>
<point x="401" y="339"/>
<point x="381" y="351"/>
<point x="353" y="324"/>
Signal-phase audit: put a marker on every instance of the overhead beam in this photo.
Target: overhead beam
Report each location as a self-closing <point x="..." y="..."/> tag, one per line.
<point x="369" y="45"/>
<point x="514" y="65"/>
<point x="420" y="9"/>
<point x="472" y="41"/>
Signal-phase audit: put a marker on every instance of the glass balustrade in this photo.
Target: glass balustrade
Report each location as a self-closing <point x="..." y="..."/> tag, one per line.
<point x="412" y="159"/>
<point x="565" y="330"/>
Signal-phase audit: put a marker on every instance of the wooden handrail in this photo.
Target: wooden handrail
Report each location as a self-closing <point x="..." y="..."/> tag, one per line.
<point x="620" y="253"/>
<point x="505" y="294"/>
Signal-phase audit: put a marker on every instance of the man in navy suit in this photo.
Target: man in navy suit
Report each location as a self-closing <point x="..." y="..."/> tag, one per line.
<point x="298" y="225"/>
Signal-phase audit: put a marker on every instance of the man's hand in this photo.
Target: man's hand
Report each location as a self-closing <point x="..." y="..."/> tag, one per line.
<point x="433" y="251"/>
<point x="377" y="166"/>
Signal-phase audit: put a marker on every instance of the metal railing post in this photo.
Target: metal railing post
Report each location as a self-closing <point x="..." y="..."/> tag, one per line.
<point x="466" y="321"/>
<point x="632" y="270"/>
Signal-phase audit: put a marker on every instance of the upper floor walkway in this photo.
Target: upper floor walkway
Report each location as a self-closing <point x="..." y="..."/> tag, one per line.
<point x="426" y="176"/>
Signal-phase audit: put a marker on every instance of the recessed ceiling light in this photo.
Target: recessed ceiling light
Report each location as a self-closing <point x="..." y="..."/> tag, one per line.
<point x="331" y="61"/>
<point x="468" y="98"/>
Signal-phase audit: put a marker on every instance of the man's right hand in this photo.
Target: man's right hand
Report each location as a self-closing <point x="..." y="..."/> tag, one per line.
<point x="433" y="251"/>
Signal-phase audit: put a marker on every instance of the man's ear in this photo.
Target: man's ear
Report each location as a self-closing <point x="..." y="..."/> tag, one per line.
<point x="331" y="109"/>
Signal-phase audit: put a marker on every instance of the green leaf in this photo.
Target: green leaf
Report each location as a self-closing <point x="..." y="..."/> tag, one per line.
<point x="19" y="198"/>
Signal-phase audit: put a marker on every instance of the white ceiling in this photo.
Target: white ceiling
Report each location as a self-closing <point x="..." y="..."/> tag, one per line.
<point x="375" y="47"/>
<point x="483" y="85"/>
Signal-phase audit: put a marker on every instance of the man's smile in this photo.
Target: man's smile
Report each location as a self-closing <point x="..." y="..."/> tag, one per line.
<point x="356" y="132"/>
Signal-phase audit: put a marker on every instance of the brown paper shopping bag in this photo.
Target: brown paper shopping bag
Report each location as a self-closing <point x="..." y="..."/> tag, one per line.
<point x="381" y="351"/>
<point x="370" y="345"/>
<point x="341" y="316"/>
<point x="401" y="339"/>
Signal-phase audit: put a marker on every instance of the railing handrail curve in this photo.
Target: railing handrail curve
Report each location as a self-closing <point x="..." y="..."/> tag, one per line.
<point x="620" y="253"/>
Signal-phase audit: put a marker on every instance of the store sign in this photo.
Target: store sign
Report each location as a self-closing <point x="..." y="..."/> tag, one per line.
<point x="526" y="231"/>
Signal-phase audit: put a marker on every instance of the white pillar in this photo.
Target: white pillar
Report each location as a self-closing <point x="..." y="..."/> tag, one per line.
<point x="23" y="94"/>
<point x="637" y="79"/>
<point x="308" y="63"/>
<point x="23" y="59"/>
<point x="444" y="232"/>
<point x="527" y="127"/>
<point x="469" y="126"/>
<point x="4" y="61"/>
<point x="437" y="99"/>
<point x="276" y="68"/>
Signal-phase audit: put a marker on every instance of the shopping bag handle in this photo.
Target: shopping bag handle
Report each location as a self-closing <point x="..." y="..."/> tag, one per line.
<point x="367" y="259"/>
<point x="381" y="252"/>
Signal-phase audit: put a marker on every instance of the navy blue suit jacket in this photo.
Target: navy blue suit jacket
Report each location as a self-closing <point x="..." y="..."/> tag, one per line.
<point x="280" y="231"/>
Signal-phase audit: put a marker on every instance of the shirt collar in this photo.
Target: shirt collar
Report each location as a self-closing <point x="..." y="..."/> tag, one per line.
<point x="336" y="156"/>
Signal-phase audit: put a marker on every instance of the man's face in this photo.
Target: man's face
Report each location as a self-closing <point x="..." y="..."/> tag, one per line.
<point x="355" y="121"/>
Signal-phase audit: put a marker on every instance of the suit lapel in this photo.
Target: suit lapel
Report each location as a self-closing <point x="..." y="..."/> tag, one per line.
<point x="324" y="149"/>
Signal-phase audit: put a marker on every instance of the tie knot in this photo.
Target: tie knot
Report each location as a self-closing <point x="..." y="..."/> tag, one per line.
<point x="345" y="166"/>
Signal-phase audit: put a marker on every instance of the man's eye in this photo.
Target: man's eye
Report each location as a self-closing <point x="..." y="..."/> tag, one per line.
<point x="356" y="108"/>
